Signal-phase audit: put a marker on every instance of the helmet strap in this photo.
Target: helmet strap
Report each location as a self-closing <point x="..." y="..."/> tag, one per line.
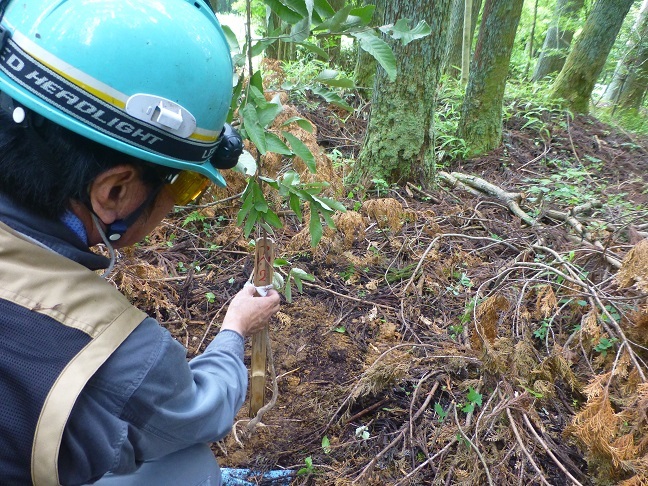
<point x="116" y="229"/>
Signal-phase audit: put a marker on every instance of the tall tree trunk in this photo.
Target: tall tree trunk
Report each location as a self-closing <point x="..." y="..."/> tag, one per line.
<point x="453" y="55"/>
<point x="365" y="68"/>
<point x="558" y="38"/>
<point x="631" y="56"/>
<point x="531" y="42"/>
<point x="335" y="49"/>
<point x="481" y="114"/>
<point x="398" y="146"/>
<point x="466" y="42"/>
<point x="584" y="63"/>
<point x="636" y="82"/>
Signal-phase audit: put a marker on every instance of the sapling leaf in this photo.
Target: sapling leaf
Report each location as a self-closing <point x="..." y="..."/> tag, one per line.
<point x="301" y="122"/>
<point x="285" y="13"/>
<point x="401" y="31"/>
<point x="315" y="227"/>
<point x="379" y="49"/>
<point x="301" y="150"/>
<point x="276" y="145"/>
<point x="253" y="129"/>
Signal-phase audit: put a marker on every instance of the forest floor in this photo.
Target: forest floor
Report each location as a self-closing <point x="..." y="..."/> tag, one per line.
<point x="492" y="330"/>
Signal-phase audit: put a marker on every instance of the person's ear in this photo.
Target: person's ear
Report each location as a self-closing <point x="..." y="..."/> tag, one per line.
<point x="113" y="191"/>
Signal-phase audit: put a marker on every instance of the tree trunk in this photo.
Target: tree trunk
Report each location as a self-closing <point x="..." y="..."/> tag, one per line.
<point x="335" y="49"/>
<point x="584" y="63"/>
<point x="453" y="55"/>
<point x="365" y="68"/>
<point x="398" y="146"/>
<point x="481" y="114"/>
<point x="558" y="38"/>
<point x="530" y="44"/>
<point x="629" y="62"/>
<point x="636" y="82"/>
<point x="466" y="42"/>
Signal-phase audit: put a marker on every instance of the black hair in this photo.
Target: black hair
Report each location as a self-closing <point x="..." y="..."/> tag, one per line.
<point x="44" y="166"/>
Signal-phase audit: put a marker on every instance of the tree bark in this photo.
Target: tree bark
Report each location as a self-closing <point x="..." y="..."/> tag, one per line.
<point x="481" y="114"/>
<point x="398" y="146"/>
<point x="466" y="42"/>
<point x="631" y="62"/>
<point x="558" y="38"/>
<point x="636" y="82"/>
<point x="584" y="63"/>
<point x="453" y="55"/>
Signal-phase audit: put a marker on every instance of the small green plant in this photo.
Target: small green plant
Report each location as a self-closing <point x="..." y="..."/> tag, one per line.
<point x="473" y="399"/>
<point x="542" y="330"/>
<point x="440" y="412"/>
<point x="308" y="469"/>
<point x="326" y="445"/>
<point x="604" y="345"/>
<point x="193" y="217"/>
<point x="362" y="432"/>
<point x="211" y="297"/>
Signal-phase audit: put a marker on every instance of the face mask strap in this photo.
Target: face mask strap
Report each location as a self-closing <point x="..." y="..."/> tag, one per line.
<point x="116" y="229"/>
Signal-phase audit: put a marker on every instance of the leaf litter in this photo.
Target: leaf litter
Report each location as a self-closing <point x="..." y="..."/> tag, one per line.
<point x="445" y="340"/>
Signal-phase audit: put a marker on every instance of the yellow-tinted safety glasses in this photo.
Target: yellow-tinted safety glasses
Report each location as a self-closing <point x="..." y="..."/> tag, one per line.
<point x="187" y="186"/>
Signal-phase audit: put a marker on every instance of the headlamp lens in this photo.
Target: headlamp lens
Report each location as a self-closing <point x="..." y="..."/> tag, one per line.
<point x="187" y="186"/>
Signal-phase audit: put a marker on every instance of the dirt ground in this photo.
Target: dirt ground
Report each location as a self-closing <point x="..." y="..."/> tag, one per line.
<point x="446" y="338"/>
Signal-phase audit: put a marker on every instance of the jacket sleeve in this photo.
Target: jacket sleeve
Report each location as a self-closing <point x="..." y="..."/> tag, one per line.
<point x="148" y="400"/>
<point x="181" y="403"/>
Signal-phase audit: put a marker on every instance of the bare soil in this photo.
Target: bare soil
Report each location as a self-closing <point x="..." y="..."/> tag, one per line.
<point x="444" y="339"/>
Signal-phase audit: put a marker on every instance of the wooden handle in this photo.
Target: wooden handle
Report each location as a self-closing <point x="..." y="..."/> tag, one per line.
<point x="263" y="272"/>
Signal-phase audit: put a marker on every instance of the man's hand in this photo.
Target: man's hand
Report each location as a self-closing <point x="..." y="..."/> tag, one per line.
<point x="248" y="314"/>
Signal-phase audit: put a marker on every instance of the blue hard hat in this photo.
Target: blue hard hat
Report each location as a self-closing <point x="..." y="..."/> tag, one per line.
<point x="152" y="79"/>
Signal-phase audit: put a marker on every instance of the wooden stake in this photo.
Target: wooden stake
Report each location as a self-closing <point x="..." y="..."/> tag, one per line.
<point x="263" y="272"/>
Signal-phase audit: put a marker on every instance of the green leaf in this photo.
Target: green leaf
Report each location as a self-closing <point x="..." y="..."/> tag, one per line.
<point x="401" y="31"/>
<point x="338" y="206"/>
<point x="299" y="6"/>
<point x="248" y="203"/>
<point x="301" y="123"/>
<point x="333" y="24"/>
<point x="250" y="222"/>
<point x="246" y="164"/>
<point x="300" y="31"/>
<point x="285" y="13"/>
<point x="272" y="219"/>
<point x="468" y="407"/>
<point x="260" y="46"/>
<point x="256" y="81"/>
<point x="268" y="112"/>
<point x="315" y="49"/>
<point x="260" y="204"/>
<point x="315" y="227"/>
<point x="474" y="396"/>
<point x="379" y="49"/>
<point x="301" y="151"/>
<point x="326" y="445"/>
<point x="253" y="129"/>
<point x="323" y="8"/>
<point x="303" y="275"/>
<point x="295" y="205"/>
<point x="331" y="97"/>
<point x="230" y="36"/>
<point x="365" y="13"/>
<point x="276" y="145"/>
<point x="439" y="411"/>
<point x="332" y="77"/>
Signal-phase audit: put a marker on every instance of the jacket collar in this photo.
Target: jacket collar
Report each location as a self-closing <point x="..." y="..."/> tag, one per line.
<point x="52" y="233"/>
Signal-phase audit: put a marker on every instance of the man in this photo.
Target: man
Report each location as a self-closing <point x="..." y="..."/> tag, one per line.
<point x="112" y="112"/>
